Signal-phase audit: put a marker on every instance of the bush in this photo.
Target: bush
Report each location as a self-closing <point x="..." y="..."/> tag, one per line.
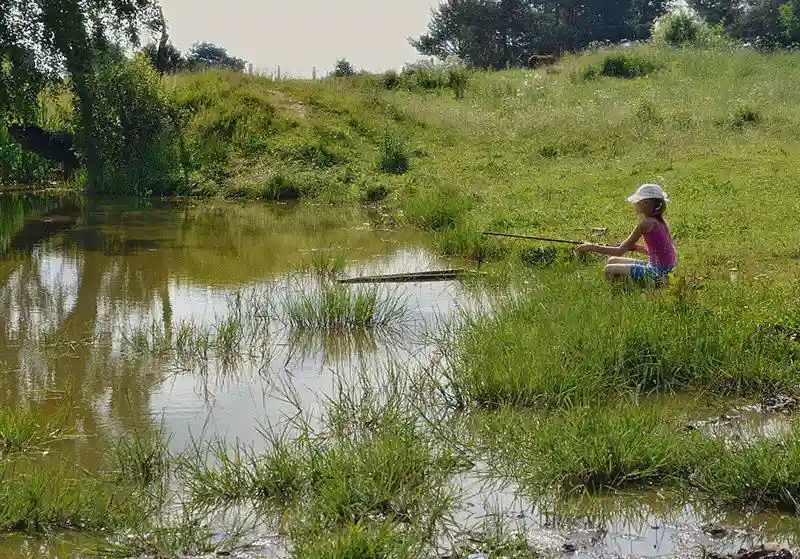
<point x="390" y="79"/>
<point x="374" y="192"/>
<point x="134" y="138"/>
<point x="394" y="157"/>
<point x="457" y="76"/>
<point x="279" y="187"/>
<point x="20" y="166"/>
<point x="620" y="65"/>
<point x="453" y="73"/>
<point x="678" y="28"/>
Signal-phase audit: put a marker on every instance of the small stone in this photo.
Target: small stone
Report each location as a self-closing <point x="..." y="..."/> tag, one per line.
<point x="569" y="547"/>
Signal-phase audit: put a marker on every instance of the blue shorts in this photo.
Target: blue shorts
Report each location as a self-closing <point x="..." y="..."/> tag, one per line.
<point x="647" y="272"/>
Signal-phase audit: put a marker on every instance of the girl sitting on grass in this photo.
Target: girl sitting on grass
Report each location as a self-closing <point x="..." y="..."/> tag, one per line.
<point x="649" y="201"/>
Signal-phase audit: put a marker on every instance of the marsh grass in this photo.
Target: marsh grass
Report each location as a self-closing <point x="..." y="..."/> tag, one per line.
<point x="606" y="447"/>
<point x="564" y="343"/>
<point x="37" y="500"/>
<point x="22" y="430"/>
<point x="756" y="474"/>
<point x="365" y="476"/>
<point x="328" y="306"/>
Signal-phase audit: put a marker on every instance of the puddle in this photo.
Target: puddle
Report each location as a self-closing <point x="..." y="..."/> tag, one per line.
<point x="642" y="524"/>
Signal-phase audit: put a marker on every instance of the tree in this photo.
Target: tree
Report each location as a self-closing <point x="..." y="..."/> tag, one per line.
<point x="495" y="33"/>
<point x="165" y="57"/>
<point x="766" y="23"/>
<point x="208" y="55"/>
<point x="343" y="69"/>
<point x="42" y="39"/>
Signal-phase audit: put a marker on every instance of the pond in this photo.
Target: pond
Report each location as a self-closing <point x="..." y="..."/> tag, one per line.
<point x="144" y="316"/>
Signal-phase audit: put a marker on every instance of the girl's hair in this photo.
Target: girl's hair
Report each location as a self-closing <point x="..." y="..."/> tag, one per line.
<point x="659" y="205"/>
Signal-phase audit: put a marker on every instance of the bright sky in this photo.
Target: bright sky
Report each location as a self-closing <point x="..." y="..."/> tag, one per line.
<point x="301" y="34"/>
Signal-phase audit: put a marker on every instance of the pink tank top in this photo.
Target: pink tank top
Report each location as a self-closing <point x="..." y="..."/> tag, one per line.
<point x="660" y="247"/>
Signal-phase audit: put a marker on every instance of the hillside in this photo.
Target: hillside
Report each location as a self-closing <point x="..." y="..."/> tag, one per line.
<point x="545" y="151"/>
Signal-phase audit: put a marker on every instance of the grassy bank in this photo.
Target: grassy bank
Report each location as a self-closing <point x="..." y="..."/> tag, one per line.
<point x="551" y="151"/>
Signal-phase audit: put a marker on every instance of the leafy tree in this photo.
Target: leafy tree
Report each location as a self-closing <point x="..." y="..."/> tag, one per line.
<point x="39" y="39"/>
<point x="343" y="69"/>
<point x="165" y="57"/>
<point x="208" y="55"/>
<point x="766" y="23"/>
<point x="495" y="33"/>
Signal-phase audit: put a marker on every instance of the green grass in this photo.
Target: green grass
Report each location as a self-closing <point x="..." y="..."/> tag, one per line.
<point x="563" y="343"/>
<point x="328" y="306"/>
<point x="24" y="430"/>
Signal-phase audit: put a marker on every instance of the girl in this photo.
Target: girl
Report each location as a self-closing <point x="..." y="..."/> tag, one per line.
<point x="649" y="201"/>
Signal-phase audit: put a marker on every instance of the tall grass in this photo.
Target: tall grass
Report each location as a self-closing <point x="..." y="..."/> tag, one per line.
<point x="331" y="306"/>
<point x="22" y="430"/>
<point x="570" y="342"/>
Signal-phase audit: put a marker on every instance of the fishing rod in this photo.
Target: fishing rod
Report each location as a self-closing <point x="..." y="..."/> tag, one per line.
<point x="531" y="237"/>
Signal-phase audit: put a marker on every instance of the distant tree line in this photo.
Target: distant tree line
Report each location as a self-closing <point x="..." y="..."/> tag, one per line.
<point x="499" y="33"/>
<point x="167" y="59"/>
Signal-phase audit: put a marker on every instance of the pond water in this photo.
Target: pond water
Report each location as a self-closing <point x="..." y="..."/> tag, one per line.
<point x="91" y="292"/>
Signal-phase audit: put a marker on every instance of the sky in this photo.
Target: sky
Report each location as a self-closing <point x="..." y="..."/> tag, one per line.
<point x="300" y="34"/>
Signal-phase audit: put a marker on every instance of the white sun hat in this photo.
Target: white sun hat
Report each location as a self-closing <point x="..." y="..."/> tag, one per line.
<point x="647" y="191"/>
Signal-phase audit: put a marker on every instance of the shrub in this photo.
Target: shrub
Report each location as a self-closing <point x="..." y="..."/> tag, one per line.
<point x="394" y="157"/>
<point x="390" y="79"/>
<point x="620" y="65"/>
<point x="743" y="116"/>
<point x="678" y="28"/>
<point x="374" y="192"/>
<point x="18" y="165"/>
<point x="133" y="136"/>
<point x="279" y="187"/>
<point x="457" y="76"/>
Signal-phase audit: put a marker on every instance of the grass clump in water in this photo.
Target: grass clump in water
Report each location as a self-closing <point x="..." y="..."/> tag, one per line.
<point x="330" y="306"/>
<point x="22" y="430"/>
<point x="756" y="474"/>
<point x="366" y="479"/>
<point x="596" y="448"/>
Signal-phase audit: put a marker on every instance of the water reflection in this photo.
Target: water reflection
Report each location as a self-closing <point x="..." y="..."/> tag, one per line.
<point x="126" y="311"/>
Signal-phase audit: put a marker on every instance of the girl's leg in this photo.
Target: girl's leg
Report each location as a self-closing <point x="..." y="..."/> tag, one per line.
<point x="623" y="260"/>
<point x="620" y="271"/>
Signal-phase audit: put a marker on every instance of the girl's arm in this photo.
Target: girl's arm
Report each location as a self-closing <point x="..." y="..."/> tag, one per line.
<point x="628" y="245"/>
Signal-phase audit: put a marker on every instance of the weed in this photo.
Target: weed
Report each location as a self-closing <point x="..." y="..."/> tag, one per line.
<point x="394" y="155"/>
<point x="374" y="192"/>
<point x="280" y="187"/>
<point x="390" y="79"/>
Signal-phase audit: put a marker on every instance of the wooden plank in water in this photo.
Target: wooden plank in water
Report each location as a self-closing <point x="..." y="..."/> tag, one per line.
<point x="432" y="275"/>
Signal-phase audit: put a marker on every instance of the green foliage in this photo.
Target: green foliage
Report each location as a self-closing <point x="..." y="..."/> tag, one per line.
<point x="620" y="65"/>
<point x="169" y="61"/>
<point x="204" y="56"/>
<point x="390" y="79"/>
<point x="501" y="34"/>
<point x="394" y="156"/>
<point x="343" y="69"/>
<point x="678" y="28"/>
<point x="132" y="132"/>
<point x="20" y="166"/>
